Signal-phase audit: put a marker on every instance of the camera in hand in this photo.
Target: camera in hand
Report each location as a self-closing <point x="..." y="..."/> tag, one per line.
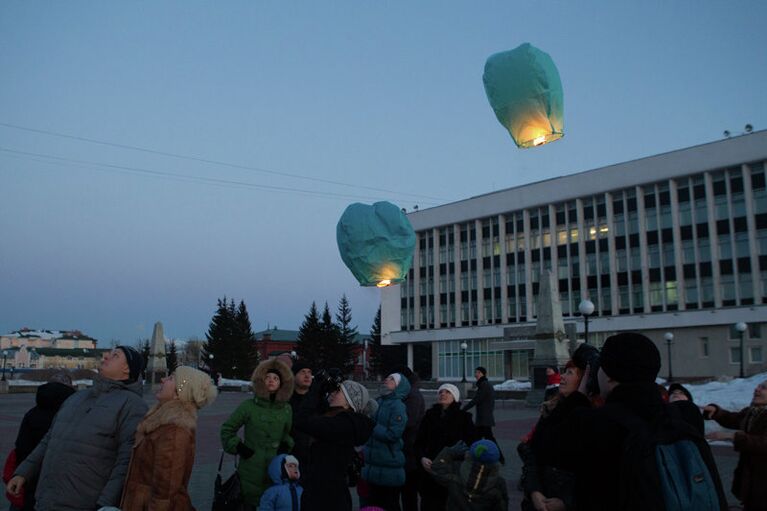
<point x="588" y="355"/>
<point x="330" y="380"/>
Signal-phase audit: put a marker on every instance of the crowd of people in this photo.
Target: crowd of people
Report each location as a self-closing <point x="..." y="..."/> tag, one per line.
<point x="607" y="438"/>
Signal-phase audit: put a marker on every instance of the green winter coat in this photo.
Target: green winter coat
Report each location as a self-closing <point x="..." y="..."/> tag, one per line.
<point x="267" y="422"/>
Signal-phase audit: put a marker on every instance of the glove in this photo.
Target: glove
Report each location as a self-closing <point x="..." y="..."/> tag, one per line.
<point x="244" y="451"/>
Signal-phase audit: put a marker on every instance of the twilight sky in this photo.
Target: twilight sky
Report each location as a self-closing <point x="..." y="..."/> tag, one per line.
<point x="280" y="114"/>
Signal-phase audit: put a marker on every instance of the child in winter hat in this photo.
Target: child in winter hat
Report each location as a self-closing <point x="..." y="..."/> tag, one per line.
<point x="285" y="493"/>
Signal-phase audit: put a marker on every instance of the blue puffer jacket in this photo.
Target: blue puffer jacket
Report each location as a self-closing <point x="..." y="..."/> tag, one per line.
<point x="285" y="495"/>
<point x="384" y="459"/>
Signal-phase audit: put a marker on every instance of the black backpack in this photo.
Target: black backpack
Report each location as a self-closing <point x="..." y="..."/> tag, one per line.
<point x="666" y="466"/>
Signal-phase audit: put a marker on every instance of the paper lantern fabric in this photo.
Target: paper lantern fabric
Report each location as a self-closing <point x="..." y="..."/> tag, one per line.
<point x="525" y="92"/>
<point x="376" y="243"/>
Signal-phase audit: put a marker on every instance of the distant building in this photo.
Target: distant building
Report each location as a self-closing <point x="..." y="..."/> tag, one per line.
<point x="47" y="349"/>
<point x="673" y="243"/>
<point x="274" y="342"/>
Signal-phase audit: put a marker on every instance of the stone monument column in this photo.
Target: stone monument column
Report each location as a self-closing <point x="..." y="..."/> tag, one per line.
<point x="551" y="344"/>
<point x="156" y="367"/>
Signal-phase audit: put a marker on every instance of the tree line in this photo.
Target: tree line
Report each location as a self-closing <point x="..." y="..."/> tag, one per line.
<point x="325" y="340"/>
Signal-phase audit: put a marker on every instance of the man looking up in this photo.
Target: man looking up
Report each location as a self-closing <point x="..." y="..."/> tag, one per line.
<point x="82" y="461"/>
<point x="302" y="382"/>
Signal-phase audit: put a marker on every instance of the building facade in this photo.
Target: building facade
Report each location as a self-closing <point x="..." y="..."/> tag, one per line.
<point x="674" y="243"/>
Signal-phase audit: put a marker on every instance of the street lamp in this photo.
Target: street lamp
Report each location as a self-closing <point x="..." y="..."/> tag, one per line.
<point x="5" y="356"/>
<point x="210" y="364"/>
<point x="669" y="339"/>
<point x="463" y="349"/>
<point x="586" y="308"/>
<point x="741" y="327"/>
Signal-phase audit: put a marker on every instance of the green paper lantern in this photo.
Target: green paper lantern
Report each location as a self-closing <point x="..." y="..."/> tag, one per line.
<point x="376" y="243"/>
<point x="525" y="92"/>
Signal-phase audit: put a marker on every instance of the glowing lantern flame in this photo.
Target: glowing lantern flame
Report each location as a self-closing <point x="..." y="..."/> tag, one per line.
<point x="525" y="92"/>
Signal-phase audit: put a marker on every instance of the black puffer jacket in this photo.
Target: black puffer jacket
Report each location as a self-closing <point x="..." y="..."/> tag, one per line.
<point x="335" y="433"/>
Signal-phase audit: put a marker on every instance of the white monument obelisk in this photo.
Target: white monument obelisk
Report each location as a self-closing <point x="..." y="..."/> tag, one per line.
<point x="156" y="367"/>
<point x="551" y="344"/>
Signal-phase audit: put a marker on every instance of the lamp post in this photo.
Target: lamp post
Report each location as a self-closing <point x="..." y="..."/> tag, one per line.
<point x="210" y="364"/>
<point x="669" y="340"/>
<point x="463" y="350"/>
<point x="586" y="308"/>
<point x="5" y="356"/>
<point x="741" y="327"/>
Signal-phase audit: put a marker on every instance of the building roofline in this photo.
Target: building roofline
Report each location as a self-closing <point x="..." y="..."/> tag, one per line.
<point x="677" y="163"/>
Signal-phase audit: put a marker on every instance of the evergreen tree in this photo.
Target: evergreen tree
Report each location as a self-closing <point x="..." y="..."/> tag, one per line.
<point x="246" y="343"/>
<point x="347" y="336"/>
<point x="171" y="356"/>
<point x="144" y="347"/>
<point x="220" y="341"/>
<point x="383" y="359"/>
<point x="309" y="341"/>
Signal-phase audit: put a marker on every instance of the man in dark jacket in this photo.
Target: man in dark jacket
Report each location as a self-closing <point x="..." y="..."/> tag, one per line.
<point x="302" y="373"/>
<point x="595" y="439"/>
<point x="81" y="463"/>
<point x="484" y="400"/>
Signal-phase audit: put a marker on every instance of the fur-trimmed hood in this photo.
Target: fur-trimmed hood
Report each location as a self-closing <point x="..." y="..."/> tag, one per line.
<point x="174" y="412"/>
<point x="286" y="380"/>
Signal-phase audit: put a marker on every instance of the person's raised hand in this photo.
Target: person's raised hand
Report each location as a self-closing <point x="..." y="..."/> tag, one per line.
<point x="709" y="411"/>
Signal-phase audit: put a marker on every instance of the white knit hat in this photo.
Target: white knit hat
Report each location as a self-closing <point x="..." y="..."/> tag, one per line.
<point x="194" y="386"/>
<point x="396" y="377"/>
<point x="452" y="389"/>
<point x="356" y="395"/>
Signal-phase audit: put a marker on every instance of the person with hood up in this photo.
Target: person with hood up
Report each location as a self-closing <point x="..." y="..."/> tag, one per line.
<point x="546" y="475"/>
<point x="36" y="423"/>
<point x="750" y="440"/>
<point x="472" y="477"/>
<point x="337" y="423"/>
<point x="285" y="494"/>
<point x="91" y="436"/>
<point x="267" y="419"/>
<point x="677" y="393"/>
<point x="384" y="468"/>
<point x="444" y="425"/>
<point x="163" y="451"/>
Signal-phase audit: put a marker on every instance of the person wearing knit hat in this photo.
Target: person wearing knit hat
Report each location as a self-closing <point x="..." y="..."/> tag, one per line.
<point x="601" y="440"/>
<point x="443" y="425"/>
<point x="94" y="428"/>
<point x="266" y="418"/>
<point x="471" y="476"/>
<point x="337" y="424"/>
<point x="135" y="362"/>
<point x="163" y="452"/>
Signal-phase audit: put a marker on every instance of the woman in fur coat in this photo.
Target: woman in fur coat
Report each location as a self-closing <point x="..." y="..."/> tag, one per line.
<point x="163" y="449"/>
<point x="267" y="418"/>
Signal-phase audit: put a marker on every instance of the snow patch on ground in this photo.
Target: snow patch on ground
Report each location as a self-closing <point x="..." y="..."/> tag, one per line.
<point x="513" y="385"/>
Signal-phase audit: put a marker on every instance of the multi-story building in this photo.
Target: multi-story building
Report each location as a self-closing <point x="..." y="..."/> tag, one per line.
<point x="59" y="339"/>
<point x="44" y="349"/>
<point x="673" y="243"/>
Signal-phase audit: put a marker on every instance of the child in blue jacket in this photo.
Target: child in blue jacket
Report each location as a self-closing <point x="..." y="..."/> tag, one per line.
<point x="285" y="494"/>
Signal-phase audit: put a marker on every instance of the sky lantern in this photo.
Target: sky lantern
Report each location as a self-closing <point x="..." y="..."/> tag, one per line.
<point x="376" y="243"/>
<point x="525" y="92"/>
